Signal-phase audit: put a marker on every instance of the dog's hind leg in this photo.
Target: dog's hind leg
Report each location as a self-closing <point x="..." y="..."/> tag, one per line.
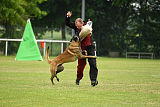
<point x="52" y="79"/>
<point x="60" y="68"/>
<point x="53" y="72"/>
<point x="57" y="78"/>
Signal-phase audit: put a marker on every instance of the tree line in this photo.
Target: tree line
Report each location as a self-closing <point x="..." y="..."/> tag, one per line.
<point x="118" y="25"/>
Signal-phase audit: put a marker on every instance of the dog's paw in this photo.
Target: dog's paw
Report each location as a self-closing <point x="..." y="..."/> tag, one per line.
<point x="58" y="79"/>
<point x="84" y="52"/>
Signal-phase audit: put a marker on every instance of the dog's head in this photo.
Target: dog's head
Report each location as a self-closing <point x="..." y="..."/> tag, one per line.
<point x="75" y="38"/>
<point x="75" y="41"/>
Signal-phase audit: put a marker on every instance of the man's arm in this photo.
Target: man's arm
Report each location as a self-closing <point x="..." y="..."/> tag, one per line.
<point x="68" y="21"/>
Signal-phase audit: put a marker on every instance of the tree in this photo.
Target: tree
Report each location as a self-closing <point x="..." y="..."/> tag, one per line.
<point x="14" y="13"/>
<point x="125" y="25"/>
<point x="57" y="10"/>
<point x="145" y="23"/>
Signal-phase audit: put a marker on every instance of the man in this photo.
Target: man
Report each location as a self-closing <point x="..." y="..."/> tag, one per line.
<point x="85" y="45"/>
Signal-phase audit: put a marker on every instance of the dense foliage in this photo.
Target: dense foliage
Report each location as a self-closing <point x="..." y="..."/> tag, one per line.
<point x="119" y="25"/>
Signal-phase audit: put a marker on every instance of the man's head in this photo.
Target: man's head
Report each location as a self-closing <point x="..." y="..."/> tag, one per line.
<point x="79" y="23"/>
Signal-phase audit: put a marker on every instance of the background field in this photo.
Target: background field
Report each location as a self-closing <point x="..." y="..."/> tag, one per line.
<point x="122" y="83"/>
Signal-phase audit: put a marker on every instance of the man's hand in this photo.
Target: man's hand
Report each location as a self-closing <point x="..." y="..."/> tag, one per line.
<point x="69" y="13"/>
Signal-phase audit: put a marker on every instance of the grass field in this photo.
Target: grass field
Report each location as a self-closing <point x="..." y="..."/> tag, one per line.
<point x="122" y="83"/>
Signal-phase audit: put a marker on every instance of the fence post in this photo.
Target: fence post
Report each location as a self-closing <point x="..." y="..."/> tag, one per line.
<point x="6" y="48"/>
<point x="95" y="48"/>
<point x="139" y="56"/>
<point x="126" y="55"/>
<point x="61" y="47"/>
<point x="152" y="56"/>
<point x="44" y="49"/>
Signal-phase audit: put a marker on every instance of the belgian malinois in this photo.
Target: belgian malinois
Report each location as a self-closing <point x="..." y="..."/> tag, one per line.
<point x="72" y="53"/>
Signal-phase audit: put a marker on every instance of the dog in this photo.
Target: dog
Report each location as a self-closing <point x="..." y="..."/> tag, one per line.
<point x="72" y="53"/>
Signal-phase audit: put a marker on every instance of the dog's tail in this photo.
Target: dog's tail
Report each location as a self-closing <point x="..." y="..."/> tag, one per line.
<point x="47" y="55"/>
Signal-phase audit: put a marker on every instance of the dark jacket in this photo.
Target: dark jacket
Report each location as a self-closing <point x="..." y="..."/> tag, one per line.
<point x="87" y="41"/>
<point x="71" y="25"/>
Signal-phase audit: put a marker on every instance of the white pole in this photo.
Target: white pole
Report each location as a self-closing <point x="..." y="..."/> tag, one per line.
<point x="62" y="47"/>
<point x="95" y="48"/>
<point x="6" y="47"/>
<point x="72" y="32"/>
<point x="44" y="49"/>
<point x="83" y="10"/>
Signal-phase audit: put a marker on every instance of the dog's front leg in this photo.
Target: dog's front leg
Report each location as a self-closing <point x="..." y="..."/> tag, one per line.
<point x="85" y="52"/>
<point x="81" y="56"/>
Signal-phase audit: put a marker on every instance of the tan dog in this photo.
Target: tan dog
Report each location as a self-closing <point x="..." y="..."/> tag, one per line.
<point x="69" y="55"/>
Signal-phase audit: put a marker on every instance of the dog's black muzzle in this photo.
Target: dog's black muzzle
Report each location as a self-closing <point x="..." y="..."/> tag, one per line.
<point x="75" y="38"/>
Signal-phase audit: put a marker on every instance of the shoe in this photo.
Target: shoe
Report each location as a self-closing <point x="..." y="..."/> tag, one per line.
<point x="94" y="83"/>
<point x="77" y="81"/>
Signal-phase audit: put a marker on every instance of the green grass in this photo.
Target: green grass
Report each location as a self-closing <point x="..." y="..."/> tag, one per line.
<point x="122" y="83"/>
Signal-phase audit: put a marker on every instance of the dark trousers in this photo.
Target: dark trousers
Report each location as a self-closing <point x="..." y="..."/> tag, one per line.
<point x="92" y="63"/>
<point x="93" y="72"/>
